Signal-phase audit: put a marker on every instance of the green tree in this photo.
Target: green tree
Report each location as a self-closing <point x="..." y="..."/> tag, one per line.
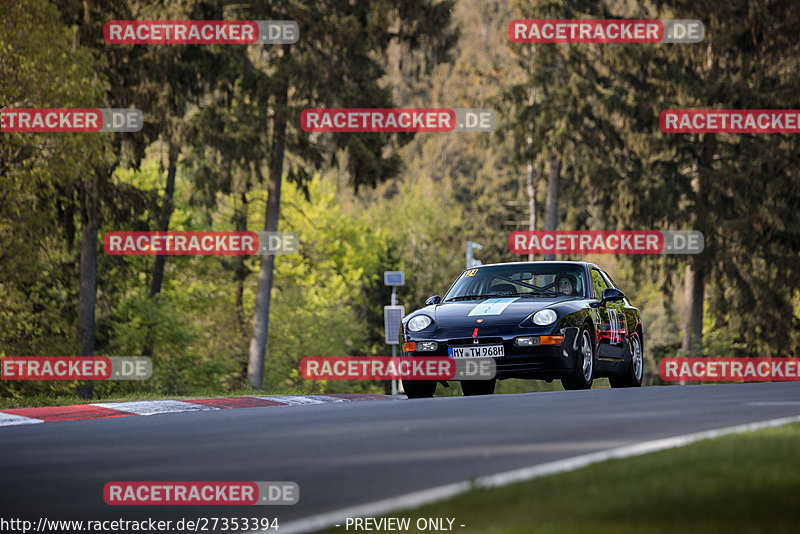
<point x="334" y="64"/>
<point x="42" y="65"/>
<point x="737" y="189"/>
<point x="156" y="80"/>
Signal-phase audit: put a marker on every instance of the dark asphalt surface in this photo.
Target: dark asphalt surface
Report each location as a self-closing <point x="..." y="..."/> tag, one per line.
<point x="347" y="454"/>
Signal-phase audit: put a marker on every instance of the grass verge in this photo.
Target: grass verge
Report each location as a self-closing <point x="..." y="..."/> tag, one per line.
<point x="748" y="483"/>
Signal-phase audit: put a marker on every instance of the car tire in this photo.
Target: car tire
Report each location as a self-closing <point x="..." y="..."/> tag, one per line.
<point x="632" y="377"/>
<point x="419" y="389"/>
<point x="478" y="387"/>
<point x="583" y="376"/>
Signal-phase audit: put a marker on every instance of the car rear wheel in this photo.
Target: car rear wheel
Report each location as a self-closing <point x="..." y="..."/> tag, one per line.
<point x="584" y="370"/>
<point x="632" y="378"/>
<point x="478" y="387"/>
<point x="419" y="389"/>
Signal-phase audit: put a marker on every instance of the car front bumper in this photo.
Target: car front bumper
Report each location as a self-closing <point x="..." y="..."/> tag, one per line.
<point x="538" y="361"/>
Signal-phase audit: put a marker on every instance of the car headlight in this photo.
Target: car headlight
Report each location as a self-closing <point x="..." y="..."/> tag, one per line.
<point x="415" y="324"/>
<point x="544" y="317"/>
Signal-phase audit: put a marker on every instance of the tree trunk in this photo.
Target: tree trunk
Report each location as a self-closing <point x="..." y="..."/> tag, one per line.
<point x="531" y="206"/>
<point x="240" y="275"/>
<point x="551" y="204"/>
<point x="258" y="341"/>
<point x="163" y="226"/>
<point x="240" y="222"/>
<point x="694" y="281"/>
<point x="88" y="275"/>
<point x="694" y="290"/>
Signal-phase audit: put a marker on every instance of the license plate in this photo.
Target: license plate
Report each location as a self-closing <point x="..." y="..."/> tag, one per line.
<point x="477" y="351"/>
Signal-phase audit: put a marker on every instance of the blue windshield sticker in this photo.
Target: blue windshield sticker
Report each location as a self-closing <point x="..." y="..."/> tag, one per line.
<point x="492" y="306"/>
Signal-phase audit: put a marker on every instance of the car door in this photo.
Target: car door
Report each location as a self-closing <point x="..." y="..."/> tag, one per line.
<point x="601" y="319"/>
<point x="618" y="330"/>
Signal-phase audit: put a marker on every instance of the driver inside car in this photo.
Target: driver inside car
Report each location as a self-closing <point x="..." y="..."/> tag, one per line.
<point x="565" y="285"/>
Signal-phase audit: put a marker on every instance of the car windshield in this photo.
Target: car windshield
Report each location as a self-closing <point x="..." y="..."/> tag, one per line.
<point x="523" y="281"/>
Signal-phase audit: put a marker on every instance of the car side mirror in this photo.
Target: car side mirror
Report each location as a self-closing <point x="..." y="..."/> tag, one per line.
<point x="436" y="299"/>
<point x="611" y="294"/>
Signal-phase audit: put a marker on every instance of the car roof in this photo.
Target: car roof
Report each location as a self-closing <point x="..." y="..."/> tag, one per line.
<point x="522" y="263"/>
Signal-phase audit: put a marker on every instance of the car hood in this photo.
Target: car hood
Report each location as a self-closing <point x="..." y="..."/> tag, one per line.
<point x="495" y="311"/>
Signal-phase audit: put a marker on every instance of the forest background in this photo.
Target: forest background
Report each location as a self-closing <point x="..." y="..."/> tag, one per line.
<point x="577" y="147"/>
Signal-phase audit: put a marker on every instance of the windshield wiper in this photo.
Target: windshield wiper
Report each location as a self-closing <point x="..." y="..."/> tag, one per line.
<point x="494" y="296"/>
<point x="471" y="297"/>
<point x="537" y="294"/>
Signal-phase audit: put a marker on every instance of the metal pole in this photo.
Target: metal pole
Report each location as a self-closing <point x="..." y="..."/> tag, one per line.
<point x="531" y="205"/>
<point x="394" y="382"/>
<point x="394" y="347"/>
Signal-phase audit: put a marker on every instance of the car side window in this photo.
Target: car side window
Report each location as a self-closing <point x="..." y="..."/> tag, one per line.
<point x="598" y="284"/>
<point x="609" y="281"/>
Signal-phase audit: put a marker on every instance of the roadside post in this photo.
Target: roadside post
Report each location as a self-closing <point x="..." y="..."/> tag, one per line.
<point x="393" y="314"/>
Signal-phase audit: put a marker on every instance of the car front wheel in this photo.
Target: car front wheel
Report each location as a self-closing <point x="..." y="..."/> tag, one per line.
<point x="478" y="387"/>
<point x="419" y="389"/>
<point x="584" y="369"/>
<point x="632" y="378"/>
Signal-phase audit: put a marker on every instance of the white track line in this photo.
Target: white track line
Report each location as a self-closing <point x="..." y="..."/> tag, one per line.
<point x="420" y="498"/>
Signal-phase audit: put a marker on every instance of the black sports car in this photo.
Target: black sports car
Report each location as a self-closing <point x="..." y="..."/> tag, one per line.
<point x="543" y="320"/>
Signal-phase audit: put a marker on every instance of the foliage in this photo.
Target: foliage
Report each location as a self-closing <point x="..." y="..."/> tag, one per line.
<point x="40" y="176"/>
<point x="365" y="203"/>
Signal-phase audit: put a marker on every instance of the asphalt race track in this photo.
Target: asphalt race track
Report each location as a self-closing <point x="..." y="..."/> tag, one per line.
<point x="347" y="454"/>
